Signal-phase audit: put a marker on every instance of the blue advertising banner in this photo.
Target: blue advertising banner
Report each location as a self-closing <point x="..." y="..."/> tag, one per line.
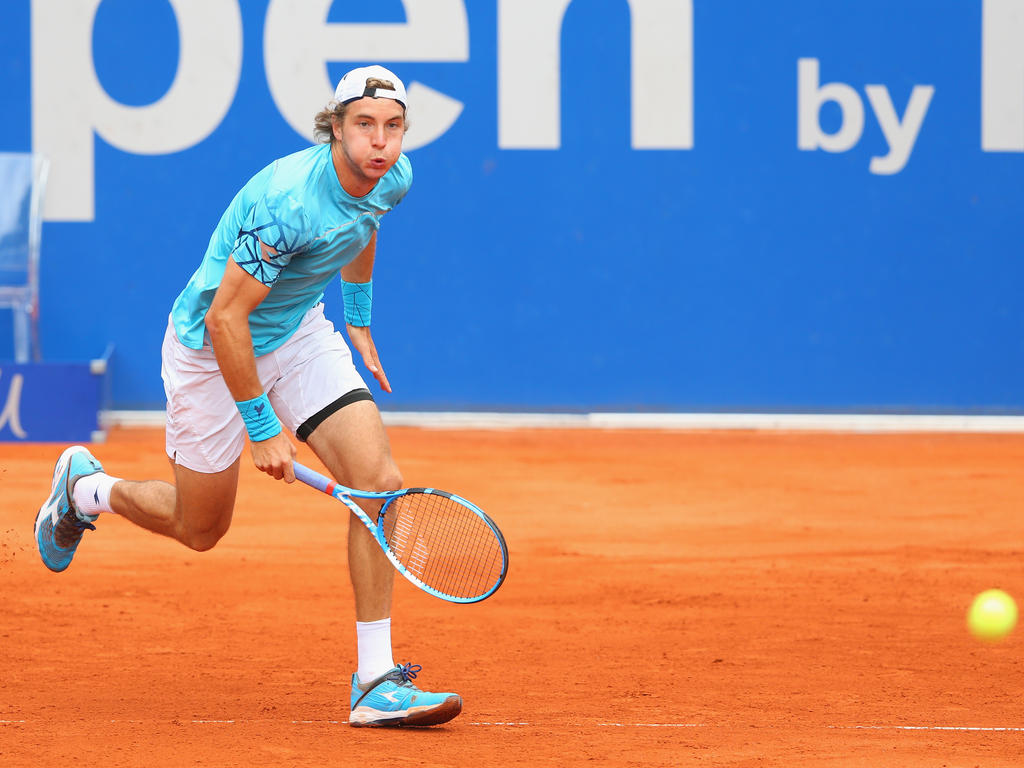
<point x="53" y="402"/>
<point x="618" y="204"/>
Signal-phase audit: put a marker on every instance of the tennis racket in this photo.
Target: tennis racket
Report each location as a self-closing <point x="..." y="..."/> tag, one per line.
<point x="440" y="542"/>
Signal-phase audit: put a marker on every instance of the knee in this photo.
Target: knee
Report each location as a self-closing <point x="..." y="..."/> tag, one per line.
<point x="385" y="479"/>
<point x="202" y="541"/>
<point x="203" y="538"/>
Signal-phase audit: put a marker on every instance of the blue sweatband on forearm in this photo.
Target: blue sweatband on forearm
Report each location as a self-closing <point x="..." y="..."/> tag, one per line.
<point x="260" y="420"/>
<point x="358" y="298"/>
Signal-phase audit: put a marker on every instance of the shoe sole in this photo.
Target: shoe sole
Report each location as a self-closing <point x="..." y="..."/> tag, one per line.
<point x="51" y="503"/>
<point x="413" y="717"/>
<point x="50" y="506"/>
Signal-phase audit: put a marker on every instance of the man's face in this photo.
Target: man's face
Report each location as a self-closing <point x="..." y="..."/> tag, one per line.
<point x="371" y="136"/>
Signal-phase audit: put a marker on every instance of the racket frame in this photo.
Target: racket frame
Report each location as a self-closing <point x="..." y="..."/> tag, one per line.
<point x="346" y="496"/>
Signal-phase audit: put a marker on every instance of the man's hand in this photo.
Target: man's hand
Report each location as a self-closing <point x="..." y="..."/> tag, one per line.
<point x="274" y="456"/>
<point x="363" y="342"/>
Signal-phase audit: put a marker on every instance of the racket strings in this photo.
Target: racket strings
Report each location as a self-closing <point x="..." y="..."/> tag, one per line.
<point x="445" y="544"/>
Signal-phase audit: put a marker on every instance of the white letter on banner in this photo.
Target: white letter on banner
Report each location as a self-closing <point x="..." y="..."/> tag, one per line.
<point x="529" y="73"/>
<point x="901" y="136"/>
<point x="1002" y="76"/>
<point x="298" y="42"/>
<point x="810" y="97"/>
<point x="662" y="60"/>
<point x="69" y="104"/>
<point x="11" y="412"/>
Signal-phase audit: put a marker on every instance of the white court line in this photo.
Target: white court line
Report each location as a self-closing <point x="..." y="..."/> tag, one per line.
<point x="928" y="728"/>
<point x="654" y="725"/>
<point x="1010" y="729"/>
<point x="501" y="723"/>
<point x="817" y="422"/>
<point x="960" y="728"/>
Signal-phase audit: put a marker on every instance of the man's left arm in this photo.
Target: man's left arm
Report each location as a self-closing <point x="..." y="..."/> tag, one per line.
<point x="358" y="274"/>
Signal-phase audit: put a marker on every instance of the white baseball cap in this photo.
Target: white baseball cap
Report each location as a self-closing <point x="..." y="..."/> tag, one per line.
<point x="352" y="85"/>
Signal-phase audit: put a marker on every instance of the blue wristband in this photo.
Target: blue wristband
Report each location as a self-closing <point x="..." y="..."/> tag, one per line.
<point x="358" y="298"/>
<point x="260" y="420"/>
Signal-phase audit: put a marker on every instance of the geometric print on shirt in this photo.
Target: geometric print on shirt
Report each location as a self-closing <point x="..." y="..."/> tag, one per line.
<point x="280" y="223"/>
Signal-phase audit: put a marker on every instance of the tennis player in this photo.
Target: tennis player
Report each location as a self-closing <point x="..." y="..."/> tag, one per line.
<point x="248" y="350"/>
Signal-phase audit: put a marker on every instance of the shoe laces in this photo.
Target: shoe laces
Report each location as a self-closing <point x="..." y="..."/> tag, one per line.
<point x="69" y="530"/>
<point x="409" y="672"/>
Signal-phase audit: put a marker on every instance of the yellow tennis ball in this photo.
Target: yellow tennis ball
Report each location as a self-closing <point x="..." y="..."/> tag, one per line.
<point x="992" y="615"/>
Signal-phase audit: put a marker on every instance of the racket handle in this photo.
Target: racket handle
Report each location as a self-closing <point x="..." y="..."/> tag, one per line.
<point x="311" y="478"/>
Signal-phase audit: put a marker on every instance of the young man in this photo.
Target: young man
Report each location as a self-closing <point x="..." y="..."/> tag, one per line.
<point x="248" y="347"/>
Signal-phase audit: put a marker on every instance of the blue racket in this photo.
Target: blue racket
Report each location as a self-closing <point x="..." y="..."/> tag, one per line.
<point x="440" y="542"/>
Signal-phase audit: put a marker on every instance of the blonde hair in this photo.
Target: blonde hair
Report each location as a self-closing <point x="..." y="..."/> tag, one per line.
<point x="323" y="121"/>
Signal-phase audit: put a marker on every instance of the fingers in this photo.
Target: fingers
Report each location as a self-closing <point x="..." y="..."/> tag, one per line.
<point x="274" y="456"/>
<point x="289" y="466"/>
<point x="361" y="340"/>
<point x="372" y="363"/>
<point x="275" y="469"/>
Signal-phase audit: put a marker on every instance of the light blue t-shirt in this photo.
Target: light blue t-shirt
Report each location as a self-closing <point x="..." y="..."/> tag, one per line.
<point x="297" y="206"/>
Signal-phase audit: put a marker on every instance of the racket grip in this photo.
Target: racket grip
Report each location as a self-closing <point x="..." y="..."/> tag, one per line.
<point x="310" y="477"/>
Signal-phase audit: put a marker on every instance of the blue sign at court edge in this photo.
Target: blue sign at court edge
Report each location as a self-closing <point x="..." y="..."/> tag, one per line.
<point x="641" y="205"/>
<point x="52" y="402"/>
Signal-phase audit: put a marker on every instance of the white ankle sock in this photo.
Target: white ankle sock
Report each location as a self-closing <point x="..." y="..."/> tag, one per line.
<point x="373" y="643"/>
<point x="92" y="493"/>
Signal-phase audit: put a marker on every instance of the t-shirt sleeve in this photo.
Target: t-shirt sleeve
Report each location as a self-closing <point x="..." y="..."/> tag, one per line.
<point x="403" y="179"/>
<point x="279" y="222"/>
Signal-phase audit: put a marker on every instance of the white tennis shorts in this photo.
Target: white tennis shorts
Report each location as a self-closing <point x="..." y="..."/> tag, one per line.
<point x="303" y="377"/>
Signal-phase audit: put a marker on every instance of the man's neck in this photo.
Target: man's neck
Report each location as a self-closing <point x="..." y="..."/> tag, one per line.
<point x="356" y="185"/>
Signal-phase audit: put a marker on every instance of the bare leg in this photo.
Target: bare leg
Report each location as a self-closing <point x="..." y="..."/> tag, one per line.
<point x="196" y="510"/>
<point x="354" y="447"/>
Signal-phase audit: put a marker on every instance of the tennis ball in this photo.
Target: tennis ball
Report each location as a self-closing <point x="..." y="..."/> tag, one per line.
<point x="992" y="615"/>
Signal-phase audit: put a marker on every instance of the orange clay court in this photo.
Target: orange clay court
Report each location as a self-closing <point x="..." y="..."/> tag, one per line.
<point x="673" y="598"/>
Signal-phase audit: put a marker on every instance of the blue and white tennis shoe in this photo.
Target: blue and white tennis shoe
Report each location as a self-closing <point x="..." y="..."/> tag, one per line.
<point x="59" y="526"/>
<point x="392" y="699"/>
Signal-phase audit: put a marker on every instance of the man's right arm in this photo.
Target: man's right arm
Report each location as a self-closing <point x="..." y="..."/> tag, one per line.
<point x="227" y="321"/>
